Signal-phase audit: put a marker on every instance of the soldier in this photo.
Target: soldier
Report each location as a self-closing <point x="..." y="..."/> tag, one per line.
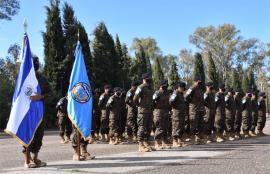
<point x="238" y="115"/>
<point x="220" y="114"/>
<point x="132" y="113"/>
<point x="65" y="125"/>
<point x="114" y="105"/>
<point x="254" y="115"/>
<point x="96" y="116"/>
<point x="83" y="145"/>
<point x="178" y="104"/>
<point x="210" y="107"/>
<point x="261" y="113"/>
<point x="230" y="114"/>
<point x="194" y="97"/>
<point x="161" y="115"/>
<point x="36" y="143"/>
<point x="247" y="114"/>
<point x="143" y="100"/>
<point x="104" y="123"/>
<point x="123" y="116"/>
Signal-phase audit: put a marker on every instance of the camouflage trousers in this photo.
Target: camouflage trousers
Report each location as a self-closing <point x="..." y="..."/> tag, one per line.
<point x="65" y="126"/>
<point x="178" y="123"/>
<point x="208" y="121"/>
<point x="144" y="121"/>
<point x="220" y="122"/>
<point x="132" y="126"/>
<point x="246" y="121"/>
<point x="261" y="120"/>
<point x="161" y="121"/>
<point x="104" y="122"/>
<point x="114" y="124"/>
<point x="196" y="122"/>
<point x="83" y="143"/>
<point x="254" y="120"/>
<point x="238" y="121"/>
<point x="229" y="121"/>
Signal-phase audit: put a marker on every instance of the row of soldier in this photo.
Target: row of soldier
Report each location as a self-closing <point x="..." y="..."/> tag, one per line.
<point x="173" y="116"/>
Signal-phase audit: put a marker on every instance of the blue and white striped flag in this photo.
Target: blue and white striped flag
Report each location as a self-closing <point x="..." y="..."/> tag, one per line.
<point x="25" y="115"/>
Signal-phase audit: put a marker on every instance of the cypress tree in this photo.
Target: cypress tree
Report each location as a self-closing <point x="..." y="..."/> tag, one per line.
<point x="126" y="64"/>
<point x="105" y="60"/>
<point x="212" y="71"/>
<point x="173" y="75"/>
<point x="236" y="83"/>
<point x="54" y="52"/>
<point x="199" y="68"/>
<point x="158" y="74"/>
<point x="245" y="82"/>
<point x="252" y="83"/>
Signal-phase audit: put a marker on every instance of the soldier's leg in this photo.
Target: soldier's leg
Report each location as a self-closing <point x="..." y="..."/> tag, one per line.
<point x="98" y="117"/>
<point x="254" y="123"/>
<point x="219" y="127"/>
<point x="261" y="123"/>
<point x="246" y="124"/>
<point x="104" y="129"/>
<point x="175" y="128"/>
<point x="237" y="125"/>
<point x="165" y="127"/>
<point x="141" y="132"/>
<point x="61" y="123"/>
<point x="68" y="129"/>
<point x="200" y="124"/>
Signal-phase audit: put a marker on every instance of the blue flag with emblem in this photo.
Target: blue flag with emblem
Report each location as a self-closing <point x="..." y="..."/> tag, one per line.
<point x="26" y="114"/>
<point x="80" y="96"/>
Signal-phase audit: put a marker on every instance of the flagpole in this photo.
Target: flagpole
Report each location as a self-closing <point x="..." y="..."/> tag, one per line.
<point x="78" y="133"/>
<point x="27" y="151"/>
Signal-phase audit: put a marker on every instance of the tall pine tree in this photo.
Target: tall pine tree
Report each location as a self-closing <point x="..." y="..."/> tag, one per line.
<point x="173" y="75"/>
<point x="252" y="83"/>
<point x="245" y="82"/>
<point x="158" y="74"/>
<point x="126" y="66"/>
<point x="199" y="68"/>
<point x="105" y="60"/>
<point x="54" y="52"/>
<point x="212" y="71"/>
<point x="236" y="83"/>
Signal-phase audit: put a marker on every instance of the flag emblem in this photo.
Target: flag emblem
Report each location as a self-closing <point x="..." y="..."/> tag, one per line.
<point x="81" y="92"/>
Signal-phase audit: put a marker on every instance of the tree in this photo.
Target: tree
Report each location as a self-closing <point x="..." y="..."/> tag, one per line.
<point x="54" y="52"/>
<point x="199" y="68"/>
<point x="105" y="60"/>
<point x="245" y="82"/>
<point x="212" y="72"/>
<point x="221" y="41"/>
<point x="70" y="31"/>
<point x="9" y="8"/>
<point x="149" y="45"/>
<point x="167" y="62"/>
<point x="186" y="65"/>
<point x="139" y="66"/>
<point x="236" y="82"/>
<point x="126" y="64"/>
<point x="158" y="74"/>
<point x="173" y="75"/>
<point x="252" y="84"/>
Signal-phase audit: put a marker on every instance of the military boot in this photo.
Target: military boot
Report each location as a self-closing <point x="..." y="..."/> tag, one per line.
<point x="252" y="133"/>
<point x="29" y="165"/>
<point x="197" y="140"/>
<point x="176" y="143"/>
<point x="68" y="139"/>
<point x="37" y="161"/>
<point x="219" y="138"/>
<point x="85" y="154"/>
<point x="142" y="148"/>
<point x="246" y="134"/>
<point x="231" y="137"/>
<point x="103" y="138"/>
<point x="63" y="141"/>
<point x="147" y="145"/>
<point x="260" y="133"/>
<point x="111" y="141"/>
<point x="182" y="143"/>
<point x="130" y="139"/>
<point x="237" y="136"/>
<point x="165" y="145"/>
<point x="91" y="140"/>
<point x="75" y="155"/>
<point x="116" y="141"/>
<point x="158" y="145"/>
<point x="135" y="139"/>
<point x="208" y="139"/>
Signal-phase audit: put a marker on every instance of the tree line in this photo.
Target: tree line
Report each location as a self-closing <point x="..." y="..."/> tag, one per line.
<point x="223" y="56"/>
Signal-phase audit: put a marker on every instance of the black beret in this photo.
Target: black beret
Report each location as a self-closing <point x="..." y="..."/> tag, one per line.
<point x="146" y="76"/>
<point x="209" y="84"/>
<point x="163" y="83"/>
<point x="181" y="84"/>
<point x="230" y="90"/>
<point x="107" y="87"/>
<point x="238" y="90"/>
<point x="134" y="83"/>
<point x="117" y="89"/>
<point x="197" y="77"/>
<point x="262" y="94"/>
<point x="97" y="90"/>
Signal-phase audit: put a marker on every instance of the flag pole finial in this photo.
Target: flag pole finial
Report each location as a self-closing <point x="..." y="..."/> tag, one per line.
<point x="25" y="25"/>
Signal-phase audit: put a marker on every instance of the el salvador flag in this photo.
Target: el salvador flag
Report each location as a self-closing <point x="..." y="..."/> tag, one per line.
<point x="80" y="96"/>
<point x="25" y="115"/>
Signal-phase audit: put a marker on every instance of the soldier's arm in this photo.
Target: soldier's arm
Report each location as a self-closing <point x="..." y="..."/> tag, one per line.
<point x="101" y="101"/>
<point x="137" y="95"/>
<point x="172" y="99"/>
<point x="128" y="99"/>
<point x="109" y="103"/>
<point x="156" y="97"/>
<point x="189" y="95"/>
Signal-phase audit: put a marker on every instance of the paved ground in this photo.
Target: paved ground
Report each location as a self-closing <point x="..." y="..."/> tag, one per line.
<point x="239" y="157"/>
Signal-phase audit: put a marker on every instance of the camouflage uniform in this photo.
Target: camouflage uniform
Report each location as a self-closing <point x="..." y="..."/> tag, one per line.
<point x="143" y="100"/>
<point x="247" y="117"/>
<point x="131" y="114"/>
<point x="254" y="115"/>
<point x="178" y="104"/>
<point x="195" y="97"/>
<point x="104" y="123"/>
<point x="64" y="122"/>
<point x="96" y="114"/>
<point x="123" y="115"/>
<point x="261" y="114"/>
<point x="238" y="114"/>
<point x="220" y="113"/>
<point x="114" y="107"/>
<point x="230" y="113"/>
<point x="209" y="117"/>
<point x="161" y="114"/>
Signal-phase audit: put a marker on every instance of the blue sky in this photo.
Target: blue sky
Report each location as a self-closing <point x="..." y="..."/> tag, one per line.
<point x="170" y="22"/>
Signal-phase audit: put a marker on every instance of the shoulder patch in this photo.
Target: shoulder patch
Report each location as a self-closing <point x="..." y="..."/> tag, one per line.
<point x="110" y="100"/>
<point x="244" y="101"/>
<point x="173" y="96"/>
<point x="129" y="94"/>
<point x="205" y="96"/>
<point x="216" y="98"/>
<point x="189" y="91"/>
<point x="138" y="90"/>
<point x="101" y="97"/>
<point x="155" y="96"/>
<point x="226" y="98"/>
